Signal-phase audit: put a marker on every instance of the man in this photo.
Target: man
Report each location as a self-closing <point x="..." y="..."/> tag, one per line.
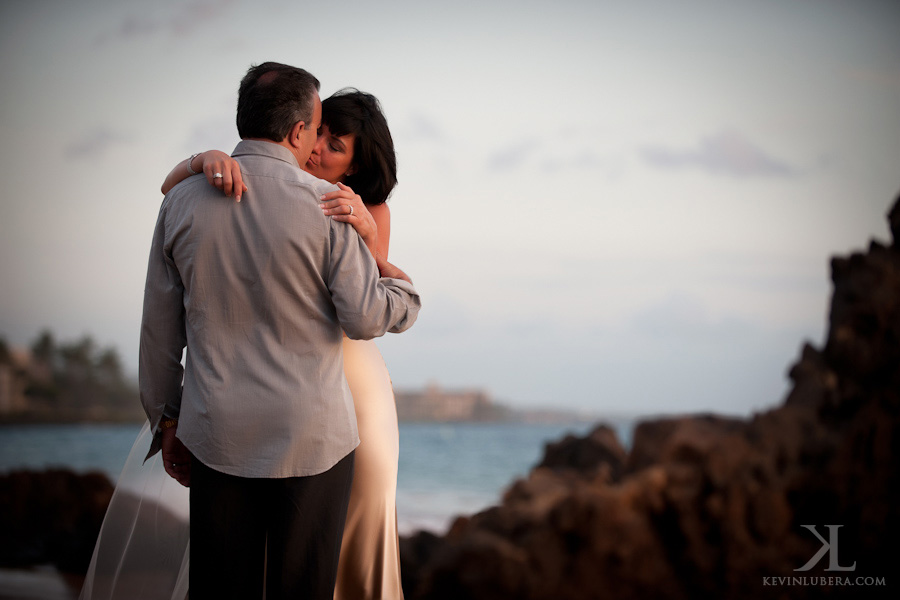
<point x="259" y="292"/>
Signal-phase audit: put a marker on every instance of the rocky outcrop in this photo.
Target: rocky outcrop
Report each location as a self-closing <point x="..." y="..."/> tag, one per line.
<point x="51" y="517"/>
<point x="600" y="452"/>
<point x="712" y="507"/>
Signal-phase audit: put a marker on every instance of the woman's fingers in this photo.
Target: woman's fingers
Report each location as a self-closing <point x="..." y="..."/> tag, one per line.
<point x="216" y="173"/>
<point x="210" y="170"/>
<point x="224" y="172"/>
<point x="338" y="207"/>
<point x="233" y="173"/>
<point x="238" y="186"/>
<point x="345" y="206"/>
<point x="337" y="194"/>
<point x="243" y="188"/>
<point x="225" y="177"/>
<point x="346" y="213"/>
<point x="345" y="198"/>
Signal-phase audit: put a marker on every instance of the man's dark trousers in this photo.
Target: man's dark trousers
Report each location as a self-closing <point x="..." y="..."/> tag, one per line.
<point x="284" y="532"/>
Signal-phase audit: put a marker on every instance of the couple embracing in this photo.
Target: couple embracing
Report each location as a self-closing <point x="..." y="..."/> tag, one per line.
<point x="273" y="298"/>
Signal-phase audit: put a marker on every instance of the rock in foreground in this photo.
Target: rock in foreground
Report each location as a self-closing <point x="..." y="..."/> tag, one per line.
<point x="711" y="507"/>
<point x="51" y="517"/>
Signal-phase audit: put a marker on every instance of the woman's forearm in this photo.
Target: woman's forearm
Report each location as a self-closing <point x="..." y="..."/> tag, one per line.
<point x="179" y="173"/>
<point x="386" y="269"/>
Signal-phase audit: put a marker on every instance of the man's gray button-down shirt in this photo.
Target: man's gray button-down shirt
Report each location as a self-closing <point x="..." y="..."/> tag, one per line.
<point x="259" y="292"/>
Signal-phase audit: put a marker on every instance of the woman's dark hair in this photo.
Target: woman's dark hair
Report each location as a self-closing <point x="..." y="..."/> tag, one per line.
<point x="352" y="111"/>
<point x="272" y="98"/>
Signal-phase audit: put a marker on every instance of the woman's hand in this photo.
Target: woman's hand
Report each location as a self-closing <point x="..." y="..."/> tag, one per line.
<point x="223" y="172"/>
<point x="347" y="207"/>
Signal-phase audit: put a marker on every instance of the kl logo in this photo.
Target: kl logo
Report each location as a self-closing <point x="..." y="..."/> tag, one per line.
<point x="830" y="547"/>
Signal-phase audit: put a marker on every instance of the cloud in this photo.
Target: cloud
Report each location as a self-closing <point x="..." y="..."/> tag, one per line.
<point x="583" y="159"/>
<point x="608" y="167"/>
<point x="94" y="144"/>
<point x="681" y="316"/>
<point x="187" y="18"/>
<point x="568" y="148"/>
<point x="726" y="153"/>
<point x="421" y="127"/>
<point x="511" y="156"/>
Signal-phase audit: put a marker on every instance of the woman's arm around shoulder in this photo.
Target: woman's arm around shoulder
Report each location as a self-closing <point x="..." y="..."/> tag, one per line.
<point x="221" y="171"/>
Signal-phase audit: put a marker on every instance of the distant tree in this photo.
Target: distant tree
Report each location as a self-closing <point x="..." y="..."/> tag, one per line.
<point x="44" y="349"/>
<point x="75" y="380"/>
<point x="78" y="359"/>
<point x="109" y="372"/>
<point x="5" y="356"/>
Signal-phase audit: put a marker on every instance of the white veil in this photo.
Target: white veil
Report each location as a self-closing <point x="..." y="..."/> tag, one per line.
<point x="142" y="549"/>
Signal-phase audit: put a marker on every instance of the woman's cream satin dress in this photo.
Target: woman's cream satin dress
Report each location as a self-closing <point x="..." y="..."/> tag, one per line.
<point x="369" y="567"/>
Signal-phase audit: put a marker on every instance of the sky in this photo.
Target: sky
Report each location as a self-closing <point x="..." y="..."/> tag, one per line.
<point x="608" y="207"/>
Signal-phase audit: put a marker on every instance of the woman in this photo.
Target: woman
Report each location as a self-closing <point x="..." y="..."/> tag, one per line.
<point x="354" y="150"/>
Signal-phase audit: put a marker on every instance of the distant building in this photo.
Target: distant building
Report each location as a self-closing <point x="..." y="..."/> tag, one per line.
<point x="436" y="404"/>
<point x="13" y="382"/>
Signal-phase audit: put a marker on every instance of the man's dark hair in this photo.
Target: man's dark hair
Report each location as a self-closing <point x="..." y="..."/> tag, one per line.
<point x="352" y="111"/>
<point x="272" y="98"/>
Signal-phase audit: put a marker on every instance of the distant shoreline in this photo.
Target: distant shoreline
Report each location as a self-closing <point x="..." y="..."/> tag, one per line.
<point x="514" y="417"/>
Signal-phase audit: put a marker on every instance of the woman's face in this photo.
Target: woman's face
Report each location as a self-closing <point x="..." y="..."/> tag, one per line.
<point x="332" y="156"/>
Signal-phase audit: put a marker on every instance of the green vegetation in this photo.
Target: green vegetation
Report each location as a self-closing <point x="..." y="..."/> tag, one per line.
<point x="66" y="382"/>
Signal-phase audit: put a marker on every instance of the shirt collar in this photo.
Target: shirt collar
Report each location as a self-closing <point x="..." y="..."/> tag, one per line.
<point x="264" y="148"/>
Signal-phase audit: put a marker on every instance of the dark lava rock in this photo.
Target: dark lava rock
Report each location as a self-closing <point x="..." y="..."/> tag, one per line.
<point x="706" y="506"/>
<point x="51" y="517"/>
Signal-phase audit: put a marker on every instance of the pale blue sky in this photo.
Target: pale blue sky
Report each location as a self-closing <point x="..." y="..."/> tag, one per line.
<point x="607" y="207"/>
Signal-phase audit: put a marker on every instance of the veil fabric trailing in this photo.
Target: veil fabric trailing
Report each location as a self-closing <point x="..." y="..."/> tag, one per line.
<point x="142" y="550"/>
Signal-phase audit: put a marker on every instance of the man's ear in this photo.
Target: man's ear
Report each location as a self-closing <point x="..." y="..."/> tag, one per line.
<point x="295" y="136"/>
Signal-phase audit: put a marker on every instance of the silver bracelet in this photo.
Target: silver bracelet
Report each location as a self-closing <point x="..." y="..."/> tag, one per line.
<point x="190" y="160"/>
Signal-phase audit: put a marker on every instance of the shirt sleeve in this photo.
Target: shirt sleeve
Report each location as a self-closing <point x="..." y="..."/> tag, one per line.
<point x="163" y="335"/>
<point x="368" y="306"/>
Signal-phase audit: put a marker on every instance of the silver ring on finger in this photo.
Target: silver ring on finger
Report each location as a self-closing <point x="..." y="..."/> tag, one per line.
<point x="217" y="176"/>
<point x="350" y="214"/>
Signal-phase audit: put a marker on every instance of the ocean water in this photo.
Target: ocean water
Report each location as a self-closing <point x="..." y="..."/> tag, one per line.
<point x="445" y="469"/>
